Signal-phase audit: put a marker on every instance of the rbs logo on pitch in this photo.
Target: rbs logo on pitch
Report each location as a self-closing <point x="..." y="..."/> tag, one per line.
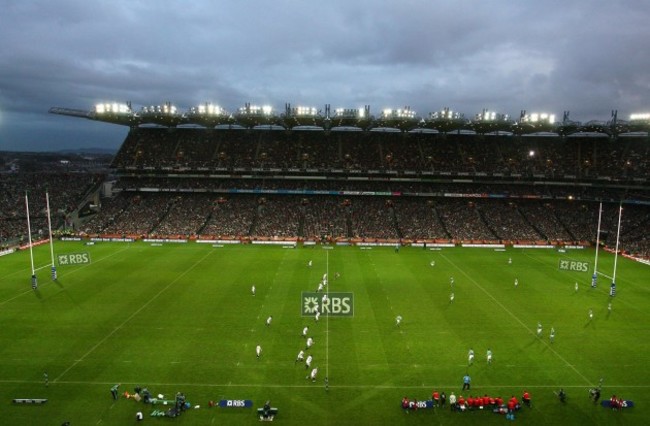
<point x="336" y="304"/>
<point x="574" y="265"/>
<point x="74" y="258"/>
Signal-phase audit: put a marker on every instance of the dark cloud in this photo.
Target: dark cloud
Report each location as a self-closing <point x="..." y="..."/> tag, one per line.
<point x="581" y="56"/>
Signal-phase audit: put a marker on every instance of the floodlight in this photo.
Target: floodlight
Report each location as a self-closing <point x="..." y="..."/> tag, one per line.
<point x="207" y="109"/>
<point x="301" y="110"/>
<point x="487" y="115"/>
<point x="349" y="112"/>
<point x="640" y="116"/>
<point x="113" y="107"/>
<point x="169" y="109"/>
<point x="539" y="117"/>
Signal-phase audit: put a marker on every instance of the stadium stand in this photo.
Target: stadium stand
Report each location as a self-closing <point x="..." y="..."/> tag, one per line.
<point x="349" y="186"/>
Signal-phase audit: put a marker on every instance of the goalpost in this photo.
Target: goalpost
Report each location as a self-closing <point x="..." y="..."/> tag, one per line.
<point x="49" y="229"/>
<point x="34" y="278"/>
<point x="327" y="321"/>
<point x="612" y="289"/>
<point x="594" y="277"/>
<point x="29" y="236"/>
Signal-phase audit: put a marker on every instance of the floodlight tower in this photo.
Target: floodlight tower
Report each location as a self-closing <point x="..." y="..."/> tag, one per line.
<point x="403" y="119"/>
<point x="490" y="121"/>
<point x="568" y="126"/>
<point x="208" y="115"/>
<point x="251" y="116"/>
<point x="351" y="117"/>
<point x="301" y="116"/>
<point x="445" y="121"/>
<point x="535" y="122"/>
<point x="640" y="122"/>
<point x="327" y="121"/>
<point x="164" y="115"/>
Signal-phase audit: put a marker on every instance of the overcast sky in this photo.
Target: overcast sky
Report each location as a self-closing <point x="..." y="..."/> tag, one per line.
<point x="585" y="56"/>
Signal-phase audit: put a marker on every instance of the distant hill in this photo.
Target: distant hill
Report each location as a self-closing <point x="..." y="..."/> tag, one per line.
<point x="103" y="151"/>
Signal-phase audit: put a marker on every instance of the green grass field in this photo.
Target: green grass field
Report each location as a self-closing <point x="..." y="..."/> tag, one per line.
<point x="182" y="318"/>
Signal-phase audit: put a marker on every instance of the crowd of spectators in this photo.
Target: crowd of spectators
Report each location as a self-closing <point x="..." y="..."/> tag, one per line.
<point x="278" y="217"/>
<point x="373" y="218"/>
<point x="418" y="219"/>
<point x="543" y="217"/>
<point x="410" y="218"/>
<point x="506" y="221"/>
<point x="365" y="217"/>
<point x="526" y="156"/>
<point x="185" y="217"/>
<point x="65" y="191"/>
<point x="351" y="185"/>
<point x="462" y="220"/>
<point x="231" y="217"/>
<point x="326" y="217"/>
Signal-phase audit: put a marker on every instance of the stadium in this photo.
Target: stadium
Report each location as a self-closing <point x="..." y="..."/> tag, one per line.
<point x="483" y="234"/>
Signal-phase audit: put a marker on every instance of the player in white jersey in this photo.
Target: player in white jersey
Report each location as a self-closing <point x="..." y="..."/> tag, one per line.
<point x="576" y="286"/>
<point x="300" y="357"/>
<point x="516" y="282"/>
<point x="489" y="356"/>
<point x="539" y="329"/>
<point x="258" y="350"/>
<point x="451" y="297"/>
<point x="313" y="374"/>
<point x="317" y="316"/>
<point x="591" y="314"/>
<point x="268" y="320"/>
<point x="470" y="357"/>
<point x="398" y="320"/>
<point x="308" y="362"/>
<point x="320" y="287"/>
<point x="253" y="290"/>
<point x="310" y="263"/>
<point x="310" y="342"/>
<point x="304" y="331"/>
<point x="552" y="335"/>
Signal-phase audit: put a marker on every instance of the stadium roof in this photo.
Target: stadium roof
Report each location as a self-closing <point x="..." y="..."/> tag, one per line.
<point x="401" y="119"/>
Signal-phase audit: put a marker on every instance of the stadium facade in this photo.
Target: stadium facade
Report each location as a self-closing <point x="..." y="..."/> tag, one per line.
<point x="346" y="177"/>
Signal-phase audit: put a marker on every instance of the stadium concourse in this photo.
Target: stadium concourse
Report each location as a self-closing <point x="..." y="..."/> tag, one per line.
<point x="345" y="186"/>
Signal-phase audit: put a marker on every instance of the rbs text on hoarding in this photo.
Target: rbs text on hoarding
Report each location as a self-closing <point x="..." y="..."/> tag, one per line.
<point x="337" y="304"/>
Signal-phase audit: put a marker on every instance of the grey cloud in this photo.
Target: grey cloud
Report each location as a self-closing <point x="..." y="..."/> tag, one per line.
<point x="467" y="55"/>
